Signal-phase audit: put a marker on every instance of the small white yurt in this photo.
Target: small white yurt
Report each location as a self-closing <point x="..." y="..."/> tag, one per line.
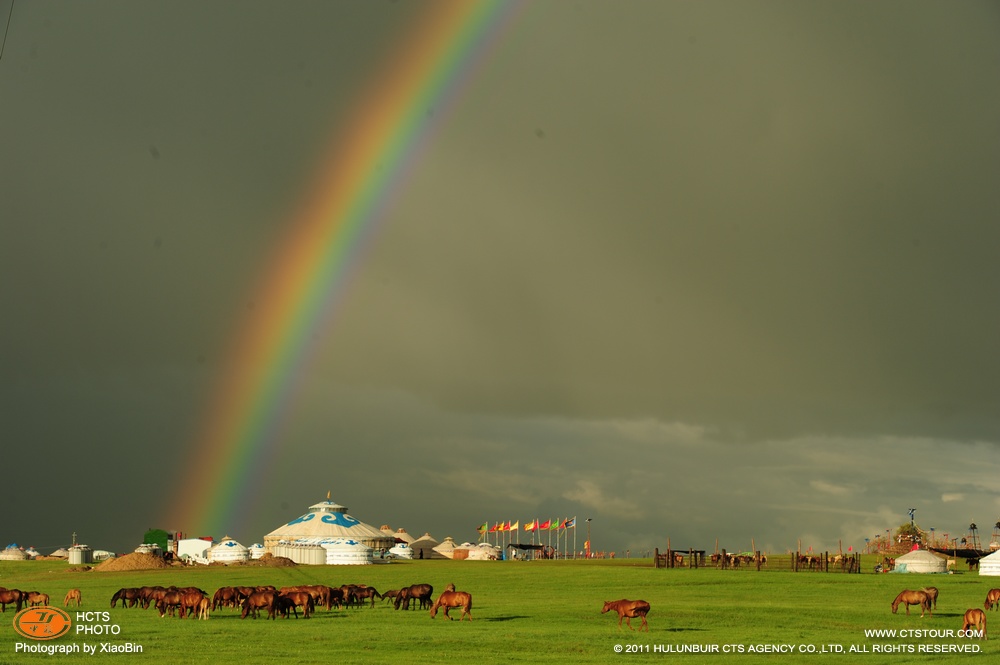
<point x="13" y="552"/>
<point x="425" y="546"/>
<point x="103" y="555"/>
<point x="990" y="565"/>
<point x="62" y="553"/>
<point x="228" y="550"/>
<point x="347" y="551"/>
<point x="256" y="551"/>
<point x="921" y="561"/>
<point x="401" y="551"/>
<point x="482" y="552"/>
<point x="32" y="552"/>
<point x="446" y="548"/>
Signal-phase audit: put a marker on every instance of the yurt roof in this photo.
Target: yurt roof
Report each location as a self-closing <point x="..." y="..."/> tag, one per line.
<point x="227" y="544"/>
<point x="992" y="558"/>
<point x="921" y="556"/>
<point x="426" y="540"/>
<point x="326" y="519"/>
<point x="61" y="552"/>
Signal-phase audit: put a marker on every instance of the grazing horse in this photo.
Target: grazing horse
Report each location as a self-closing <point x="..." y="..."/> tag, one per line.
<point x="293" y="599"/>
<point x="992" y="599"/>
<point x="259" y="600"/>
<point x="128" y="596"/>
<point x="932" y="594"/>
<point x="909" y="597"/>
<point x="204" y="608"/>
<point x="975" y="618"/>
<point x="628" y="610"/>
<point x="226" y="596"/>
<point x="11" y="597"/>
<point x="420" y="592"/>
<point x="35" y="598"/>
<point x="71" y="595"/>
<point x="450" y="599"/>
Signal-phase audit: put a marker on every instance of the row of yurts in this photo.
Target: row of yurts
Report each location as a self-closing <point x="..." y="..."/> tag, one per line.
<point x="324" y="535"/>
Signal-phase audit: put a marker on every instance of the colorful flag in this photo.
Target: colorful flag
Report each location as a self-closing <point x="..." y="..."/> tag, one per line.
<point x="544" y="526"/>
<point x="515" y="526"/>
<point x="483" y="527"/>
<point x="495" y="527"/>
<point x="570" y="523"/>
<point x="531" y="526"/>
<point x="506" y="526"/>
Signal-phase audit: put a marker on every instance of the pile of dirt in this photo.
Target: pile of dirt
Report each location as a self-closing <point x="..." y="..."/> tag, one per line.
<point x="134" y="561"/>
<point x="271" y="561"/>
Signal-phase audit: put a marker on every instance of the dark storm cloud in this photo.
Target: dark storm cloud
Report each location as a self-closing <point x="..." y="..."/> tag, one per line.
<point x="646" y="230"/>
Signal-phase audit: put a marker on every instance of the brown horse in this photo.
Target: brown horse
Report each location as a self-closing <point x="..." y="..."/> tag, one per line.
<point x="909" y="597"/>
<point x="14" y="597"/>
<point x="35" y="598"/>
<point x="259" y="600"/>
<point x="71" y="595"/>
<point x="975" y="619"/>
<point x="932" y="594"/>
<point x="992" y="599"/>
<point x="450" y="599"/>
<point x="628" y="610"/>
<point x="296" y="599"/>
<point x="204" y="608"/>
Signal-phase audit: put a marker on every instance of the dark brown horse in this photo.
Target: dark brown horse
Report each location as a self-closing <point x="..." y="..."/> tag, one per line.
<point x="909" y="597"/>
<point x="932" y="594"/>
<point x="129" y="597"/>
<point x="450" y="599"/>
<point x="992" y="599"/>
<point x="297" y="599"/>
<point x="14" y="597"/>
<point x="975" y="619"/>
<point x="226" y="596"/>
<point x="420" y="592"/>
<point x="628" y="610"/>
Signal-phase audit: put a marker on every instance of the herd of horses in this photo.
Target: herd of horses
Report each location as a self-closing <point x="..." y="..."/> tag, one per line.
<point x="19" y="598"/>
<point x="252" y="601"/>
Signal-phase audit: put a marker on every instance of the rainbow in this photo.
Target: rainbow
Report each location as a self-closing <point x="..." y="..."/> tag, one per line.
<point x="367" y="162"/>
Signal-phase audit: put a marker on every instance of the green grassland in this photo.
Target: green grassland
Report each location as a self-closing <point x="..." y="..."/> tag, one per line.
<point x="524" y="611"/>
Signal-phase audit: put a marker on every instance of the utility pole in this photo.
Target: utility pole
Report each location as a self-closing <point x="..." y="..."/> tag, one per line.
<point x="590" y="545"/>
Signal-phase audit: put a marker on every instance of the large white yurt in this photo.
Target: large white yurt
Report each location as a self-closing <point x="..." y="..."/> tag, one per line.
<point x="327" y="520"/>
<point x="13" y="553"/>
<point x="990" y="565"/>
<point x="481" y="551"/>
<point x="228" y="550"/>
<point x="921" y="561"/>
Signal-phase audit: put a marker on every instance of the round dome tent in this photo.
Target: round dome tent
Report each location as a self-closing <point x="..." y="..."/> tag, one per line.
<point x="256" y="551"/>
<point x="328" y="520"/>
<point x="13" y="553"/>
<point x="447" y="548"/>
<point x="402" y="551"/>
<point x="228" y="550"/>
<point x="921" y="561"/>
<point x="61" y="553"/>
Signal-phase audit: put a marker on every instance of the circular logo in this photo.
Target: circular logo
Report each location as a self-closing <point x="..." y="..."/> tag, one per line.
<point x="42" y="623"/>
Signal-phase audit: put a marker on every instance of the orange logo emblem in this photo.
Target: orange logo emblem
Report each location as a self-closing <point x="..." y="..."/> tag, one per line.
<point x="42" y="623"/>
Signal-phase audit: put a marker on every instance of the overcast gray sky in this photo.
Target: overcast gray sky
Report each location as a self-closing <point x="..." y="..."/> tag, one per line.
<point x="698" y="270"/>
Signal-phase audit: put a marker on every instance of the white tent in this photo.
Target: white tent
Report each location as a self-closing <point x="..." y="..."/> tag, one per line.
<point x="446" y="548"/>
<point x="228" y="550"/>
<point x="990" y="565"/>
<point x="13" y="553"/>
<point x="921" y="561"/>
<point x="195" y="549"/>
<point x="401" y="551"/>
<point x="425" y="547"/>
